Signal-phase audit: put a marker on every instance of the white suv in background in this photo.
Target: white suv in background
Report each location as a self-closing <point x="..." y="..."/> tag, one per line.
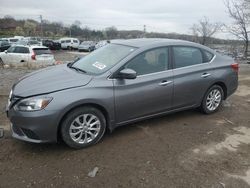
<point x="69" y="43"/>
<point x="27" y="54"/>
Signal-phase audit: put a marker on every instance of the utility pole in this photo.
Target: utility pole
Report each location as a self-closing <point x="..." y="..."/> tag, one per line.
<point x="144" y="31"/>
<point x="41" y="19"/>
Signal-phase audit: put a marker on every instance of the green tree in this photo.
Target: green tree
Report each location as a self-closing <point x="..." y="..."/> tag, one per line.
<point x="29" y="28"/>
<point x="19" y="31"/>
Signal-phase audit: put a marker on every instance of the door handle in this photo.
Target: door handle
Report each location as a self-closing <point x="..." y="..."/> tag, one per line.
<point x="164" y="83"/>
<point x="204" y="75"/>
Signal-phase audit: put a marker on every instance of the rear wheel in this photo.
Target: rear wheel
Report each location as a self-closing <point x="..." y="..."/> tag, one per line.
<point x="212" y="99"/>
<point x="83" y="127"/>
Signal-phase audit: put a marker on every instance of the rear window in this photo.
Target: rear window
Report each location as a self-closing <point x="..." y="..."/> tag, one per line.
<point x="41" y="51"/>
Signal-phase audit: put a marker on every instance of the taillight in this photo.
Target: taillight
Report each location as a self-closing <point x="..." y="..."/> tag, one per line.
<point x="33" y="55"/>
<point x="235" y="67"/>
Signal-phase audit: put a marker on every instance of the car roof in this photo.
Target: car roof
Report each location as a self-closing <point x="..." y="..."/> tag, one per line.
<point x="154" y="42"/>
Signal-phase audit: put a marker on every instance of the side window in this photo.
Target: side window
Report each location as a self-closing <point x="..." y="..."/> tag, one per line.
<point x="150" y="61"/>
<point x="23" y="50"/>
<point x="11" y="49"/>
<point x="207" y="56"/>
<point x="75" y="41"/>
<point x="17" y="50"/>
<point x="187" y="56"/>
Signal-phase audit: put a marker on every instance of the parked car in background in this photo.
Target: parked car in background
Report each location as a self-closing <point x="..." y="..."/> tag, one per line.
<point x="52" y="45"/>
<point x="101" y="44"/>
<point x="27" y="54"/>
<point x="69" y="43"/>
<point x="86" y="46"/>
<point x="11" y="41"/>
<point x="123" y="82"/>
<point x="33" y="38"/>
<point x="4" y="45"/>
<point x="29" y="42"/>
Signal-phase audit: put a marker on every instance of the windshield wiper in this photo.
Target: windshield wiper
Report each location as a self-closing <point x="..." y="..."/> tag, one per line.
<point x="77" y="69"/>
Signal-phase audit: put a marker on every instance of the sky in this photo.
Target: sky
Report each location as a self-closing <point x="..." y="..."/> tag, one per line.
<point x="158" y="15"/>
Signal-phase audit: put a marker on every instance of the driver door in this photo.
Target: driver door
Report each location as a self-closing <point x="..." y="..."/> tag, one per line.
<point x="150" y="93"/>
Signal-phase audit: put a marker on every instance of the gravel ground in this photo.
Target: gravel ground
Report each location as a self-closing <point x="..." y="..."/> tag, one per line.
<point x="186" y="149"/>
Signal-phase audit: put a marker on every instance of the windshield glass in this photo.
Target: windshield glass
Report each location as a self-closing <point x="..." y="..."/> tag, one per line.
<point x="104" y="58"/>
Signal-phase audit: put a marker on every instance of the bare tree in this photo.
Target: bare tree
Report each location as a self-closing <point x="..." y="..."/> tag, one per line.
<point x="239" y="12"/>
<point x="205" y="29"/>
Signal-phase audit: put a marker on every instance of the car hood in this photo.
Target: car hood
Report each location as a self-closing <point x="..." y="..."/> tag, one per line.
<point x="50" y="80"/>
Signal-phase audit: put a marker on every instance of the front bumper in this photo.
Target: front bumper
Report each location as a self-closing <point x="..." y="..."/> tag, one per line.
<point x="37" y="127"/>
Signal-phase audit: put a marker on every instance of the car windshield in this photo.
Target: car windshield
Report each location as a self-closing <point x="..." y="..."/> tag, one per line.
<point x="103" y="59"/>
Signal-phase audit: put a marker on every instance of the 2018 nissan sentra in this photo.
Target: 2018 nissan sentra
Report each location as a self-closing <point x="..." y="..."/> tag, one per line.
<point x="120" y="83"/>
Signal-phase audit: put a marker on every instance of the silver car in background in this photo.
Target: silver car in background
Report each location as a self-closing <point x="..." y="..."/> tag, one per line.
<point x="88" y="46"/>
<point x="123" y="82"/>
<point x="19" y="54"/>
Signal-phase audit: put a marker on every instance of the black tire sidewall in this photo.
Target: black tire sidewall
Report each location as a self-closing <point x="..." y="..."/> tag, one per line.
<point x="204" y="106"/>
<point x="71" y="116"/>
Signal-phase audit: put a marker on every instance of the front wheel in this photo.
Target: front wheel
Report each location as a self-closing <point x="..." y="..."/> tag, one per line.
<point x="212" y="99"/>
<point x="83" y="127"/>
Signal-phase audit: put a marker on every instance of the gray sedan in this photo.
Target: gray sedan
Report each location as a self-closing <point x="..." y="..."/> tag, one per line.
<point x="86" y="46"/>
<point x="120" y="83"/>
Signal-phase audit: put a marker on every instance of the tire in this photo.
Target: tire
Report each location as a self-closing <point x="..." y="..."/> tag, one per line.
<point x="76" y="132"/>
<point x="212" y="100"/>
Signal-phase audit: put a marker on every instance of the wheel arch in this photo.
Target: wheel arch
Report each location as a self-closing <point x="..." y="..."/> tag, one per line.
<point x="223" y="86"/>
<point x="95" y="105"/>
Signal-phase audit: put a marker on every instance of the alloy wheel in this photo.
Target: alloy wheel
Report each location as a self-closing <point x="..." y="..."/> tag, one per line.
<point x="213" y="99"/>
<point x="85" y="128"/>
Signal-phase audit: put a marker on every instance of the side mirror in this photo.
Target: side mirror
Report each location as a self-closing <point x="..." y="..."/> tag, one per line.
<point x="127" y="74"/>
<point x="5" y="51"/>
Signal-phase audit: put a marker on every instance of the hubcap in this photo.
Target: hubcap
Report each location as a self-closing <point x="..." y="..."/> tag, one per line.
<point x="84" y="128"/>
<point x="213" y="99"/>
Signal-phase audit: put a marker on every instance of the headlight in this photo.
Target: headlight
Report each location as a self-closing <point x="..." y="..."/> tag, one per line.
<point x="32" y="104"/>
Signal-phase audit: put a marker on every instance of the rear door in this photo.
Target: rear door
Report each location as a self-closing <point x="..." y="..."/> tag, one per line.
<point x="151" y="92"/>
<point x="193" y="75"/>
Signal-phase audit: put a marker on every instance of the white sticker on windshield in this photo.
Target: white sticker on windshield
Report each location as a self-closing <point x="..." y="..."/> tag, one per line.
<point x="99" y="65"/>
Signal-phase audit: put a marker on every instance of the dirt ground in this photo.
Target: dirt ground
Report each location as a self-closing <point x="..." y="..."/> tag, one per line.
<point x="186" y="149"/>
